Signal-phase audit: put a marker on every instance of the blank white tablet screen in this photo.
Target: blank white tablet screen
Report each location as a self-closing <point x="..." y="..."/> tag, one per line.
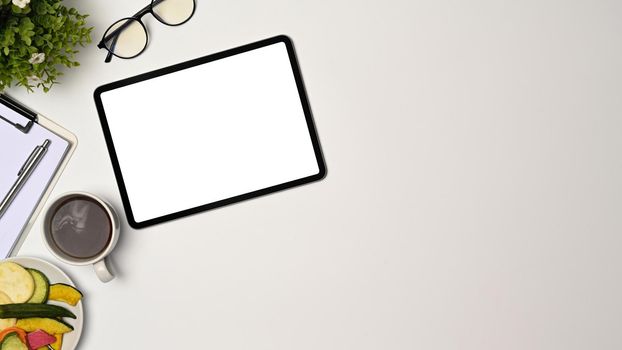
<point x="210" y="132"/>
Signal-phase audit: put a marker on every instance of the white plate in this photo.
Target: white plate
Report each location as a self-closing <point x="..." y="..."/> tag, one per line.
<point x="56" y="275"/>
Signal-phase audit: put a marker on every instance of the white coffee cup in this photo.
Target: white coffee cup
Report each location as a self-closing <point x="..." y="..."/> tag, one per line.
<point x="99" y="260"/>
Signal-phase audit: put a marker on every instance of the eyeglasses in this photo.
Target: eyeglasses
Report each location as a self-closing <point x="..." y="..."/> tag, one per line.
<point x="127" y="37"/>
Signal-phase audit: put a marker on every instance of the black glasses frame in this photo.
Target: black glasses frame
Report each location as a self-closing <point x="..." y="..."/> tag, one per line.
<point x="138" y="18"/>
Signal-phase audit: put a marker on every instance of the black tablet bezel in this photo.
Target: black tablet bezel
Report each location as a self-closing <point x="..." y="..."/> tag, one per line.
<point x="192" y="63"/>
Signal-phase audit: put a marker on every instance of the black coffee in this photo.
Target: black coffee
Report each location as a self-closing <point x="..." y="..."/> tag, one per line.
<point x="80" y="227"/>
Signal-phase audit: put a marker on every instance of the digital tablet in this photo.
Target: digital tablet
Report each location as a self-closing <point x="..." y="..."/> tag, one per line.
<point x="210" y="132"/>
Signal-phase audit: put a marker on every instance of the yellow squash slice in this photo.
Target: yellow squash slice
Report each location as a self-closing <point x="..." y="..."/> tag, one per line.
<point x="65" y="293"/>
<point x="48" y="325"/>
<point x="58" y="343"/>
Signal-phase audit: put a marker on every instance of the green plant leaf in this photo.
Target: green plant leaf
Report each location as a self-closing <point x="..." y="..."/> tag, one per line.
<point x="45" y="26"/>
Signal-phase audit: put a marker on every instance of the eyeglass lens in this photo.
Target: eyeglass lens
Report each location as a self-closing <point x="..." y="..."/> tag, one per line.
<point x="126" y="38"/>
<point x="172" y="12"/>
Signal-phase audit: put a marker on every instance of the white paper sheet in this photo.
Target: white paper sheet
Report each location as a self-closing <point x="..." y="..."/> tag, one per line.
<point x="15" y="147"/>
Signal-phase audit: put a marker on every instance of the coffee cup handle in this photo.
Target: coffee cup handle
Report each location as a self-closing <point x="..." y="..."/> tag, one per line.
<point x="102" y="271"/>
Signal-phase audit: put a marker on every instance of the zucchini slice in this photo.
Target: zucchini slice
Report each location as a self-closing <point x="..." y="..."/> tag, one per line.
<point x="12" y="342"/>
<point x="6" y="322"/>
<point x="42" y="287"/>
<point x="65" y="293"/>
<point x="16" y="282"/>
<point x="48" y="325"/>
<point x="34" y="310"/>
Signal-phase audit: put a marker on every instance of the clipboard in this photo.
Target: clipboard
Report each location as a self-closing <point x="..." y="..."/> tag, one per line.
<point x="210" y="132"/>
<point x="19" y="124"/>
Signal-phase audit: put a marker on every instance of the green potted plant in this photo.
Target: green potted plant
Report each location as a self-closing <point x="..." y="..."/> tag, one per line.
<point x="38" y="38"/>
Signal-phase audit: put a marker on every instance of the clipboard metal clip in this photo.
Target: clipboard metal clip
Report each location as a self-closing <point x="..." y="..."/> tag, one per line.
<point x="20" y="109"/>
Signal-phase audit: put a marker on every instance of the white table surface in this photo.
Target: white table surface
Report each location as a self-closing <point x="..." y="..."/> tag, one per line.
<point x="472" y="201"/>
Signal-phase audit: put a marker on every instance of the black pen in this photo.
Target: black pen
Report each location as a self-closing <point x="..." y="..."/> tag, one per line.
<point x="23" y="174"/>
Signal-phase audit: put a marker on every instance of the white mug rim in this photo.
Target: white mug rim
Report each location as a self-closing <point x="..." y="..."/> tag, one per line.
<point x="80" y="262"/>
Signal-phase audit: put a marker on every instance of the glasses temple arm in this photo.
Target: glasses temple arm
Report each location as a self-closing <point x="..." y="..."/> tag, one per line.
<point x="109" y="55"/>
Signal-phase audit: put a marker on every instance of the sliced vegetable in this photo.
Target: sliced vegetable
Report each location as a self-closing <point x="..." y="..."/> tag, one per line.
<point x="49" y="325"/>
<point x="34" y="310"/>
<point x="42" y="286"/>
<point x="6" y="322"/>
<point x="58" y="343"/>
<point x="16" y="282"/>
<point x="39" y="339"/>
<point x="65" y="293"/>
<point x="12" y="342"/>
<point x="13" y="330"/>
